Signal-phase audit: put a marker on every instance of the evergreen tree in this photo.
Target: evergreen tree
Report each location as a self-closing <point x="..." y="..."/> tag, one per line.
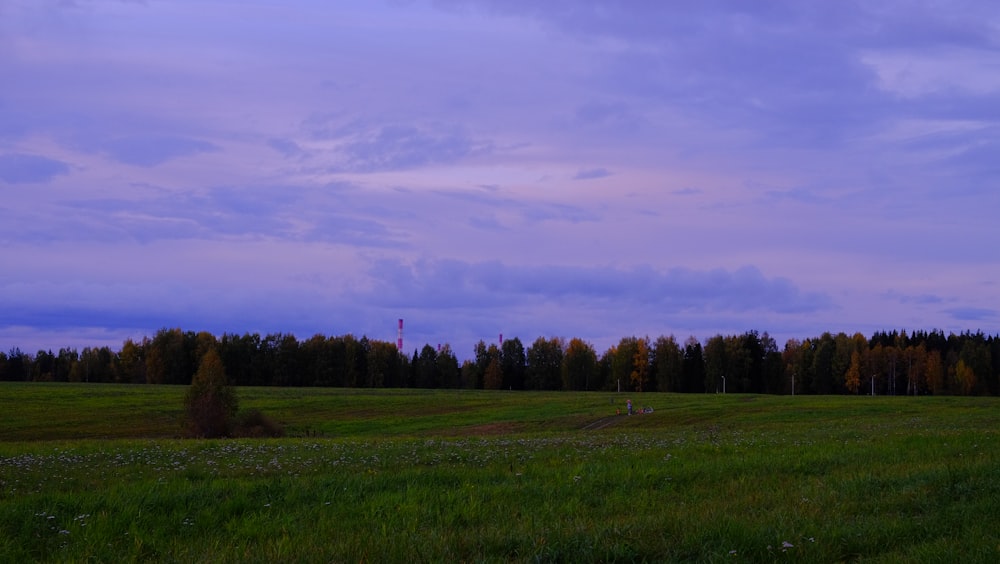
<point x="693" y="367"/>
<point x="513" y="363"/>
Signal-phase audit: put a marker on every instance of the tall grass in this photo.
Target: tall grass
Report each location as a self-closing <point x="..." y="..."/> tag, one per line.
<point x="703" y="478"/>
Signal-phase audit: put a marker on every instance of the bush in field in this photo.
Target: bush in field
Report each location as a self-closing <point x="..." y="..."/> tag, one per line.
<point x="210" y="402"/>
<point x="254" y="424"/>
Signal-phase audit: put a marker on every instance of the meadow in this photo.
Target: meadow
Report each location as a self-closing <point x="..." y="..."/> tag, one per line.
<point x="100" y="473"/>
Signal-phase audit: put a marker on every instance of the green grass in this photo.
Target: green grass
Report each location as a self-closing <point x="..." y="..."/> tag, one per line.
<point x="456" y="476"/>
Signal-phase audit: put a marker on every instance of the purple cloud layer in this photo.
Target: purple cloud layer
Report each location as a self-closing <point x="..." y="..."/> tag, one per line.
<point x="17" y="168"/>
<point x="575" y="168"/>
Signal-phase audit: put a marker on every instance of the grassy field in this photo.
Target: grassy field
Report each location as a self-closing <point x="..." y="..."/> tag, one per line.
<point x="98" y="473"/>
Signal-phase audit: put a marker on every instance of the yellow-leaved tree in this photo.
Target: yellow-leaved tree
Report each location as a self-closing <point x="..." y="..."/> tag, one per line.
<point x="493" y="379"/>
<point x="853" y="379"/>
<point x="210" y="402"/>
<point x="965" y="378"/>
<point x="640" y="365"/>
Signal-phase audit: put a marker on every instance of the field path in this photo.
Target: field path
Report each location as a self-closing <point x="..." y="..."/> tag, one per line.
<point x="601" y="423"/>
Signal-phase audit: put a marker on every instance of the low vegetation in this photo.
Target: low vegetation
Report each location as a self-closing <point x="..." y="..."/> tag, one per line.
<point x="430" y="475"/>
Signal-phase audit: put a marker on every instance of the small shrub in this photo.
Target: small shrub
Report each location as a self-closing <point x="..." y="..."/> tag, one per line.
<point x="254" y="424"/>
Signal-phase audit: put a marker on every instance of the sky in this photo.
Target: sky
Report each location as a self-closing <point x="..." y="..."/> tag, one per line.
<point x="568" y="168"/>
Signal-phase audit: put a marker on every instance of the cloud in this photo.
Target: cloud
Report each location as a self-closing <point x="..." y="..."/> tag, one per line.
<point x="604" y="113"/>
<point x="19" y="168"/>
<point x="214" y="213"/>
<point x="785" y="135"/>
<point x="62" y="312"/>
<point x="142" y="308"/>
<point x="340" y="212"/>
<point x="973" y="314"/>
<point x="450" y="284"/>
<point x="236" y="285"/>
<point x="482" y="207"/>
<point x="687" y="192"/>
<point x="797" y="194"/>
<point x="918" y="299"/>
<point x="272" y="212"/>
<point x="150" y="151"/>
<point x="487" y="223"/>
<point x="402" y="147"/>
<point x="286" y="147"/>
<point x="591" y="174"/>
<point x="789" y="74"/>
<point x="978" y="157"/>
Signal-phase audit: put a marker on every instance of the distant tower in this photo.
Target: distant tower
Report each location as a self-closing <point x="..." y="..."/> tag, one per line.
<point x="501" y="339"/>
<point x="399" y="337"/>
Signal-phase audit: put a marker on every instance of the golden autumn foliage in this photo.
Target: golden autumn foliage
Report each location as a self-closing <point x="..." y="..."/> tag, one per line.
<point x="210" y="402"/>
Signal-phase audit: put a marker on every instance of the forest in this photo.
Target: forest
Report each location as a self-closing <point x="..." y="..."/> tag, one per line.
<point x="887" y="363"/>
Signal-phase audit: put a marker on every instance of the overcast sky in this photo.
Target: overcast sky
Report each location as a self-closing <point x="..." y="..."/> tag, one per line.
<point x="573" y="168"/>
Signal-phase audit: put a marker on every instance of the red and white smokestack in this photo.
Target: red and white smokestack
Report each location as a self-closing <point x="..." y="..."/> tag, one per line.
<point x="399" y="337"/>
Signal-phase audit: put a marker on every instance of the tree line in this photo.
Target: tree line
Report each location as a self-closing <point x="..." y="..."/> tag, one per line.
<point x="887" y="363"/>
